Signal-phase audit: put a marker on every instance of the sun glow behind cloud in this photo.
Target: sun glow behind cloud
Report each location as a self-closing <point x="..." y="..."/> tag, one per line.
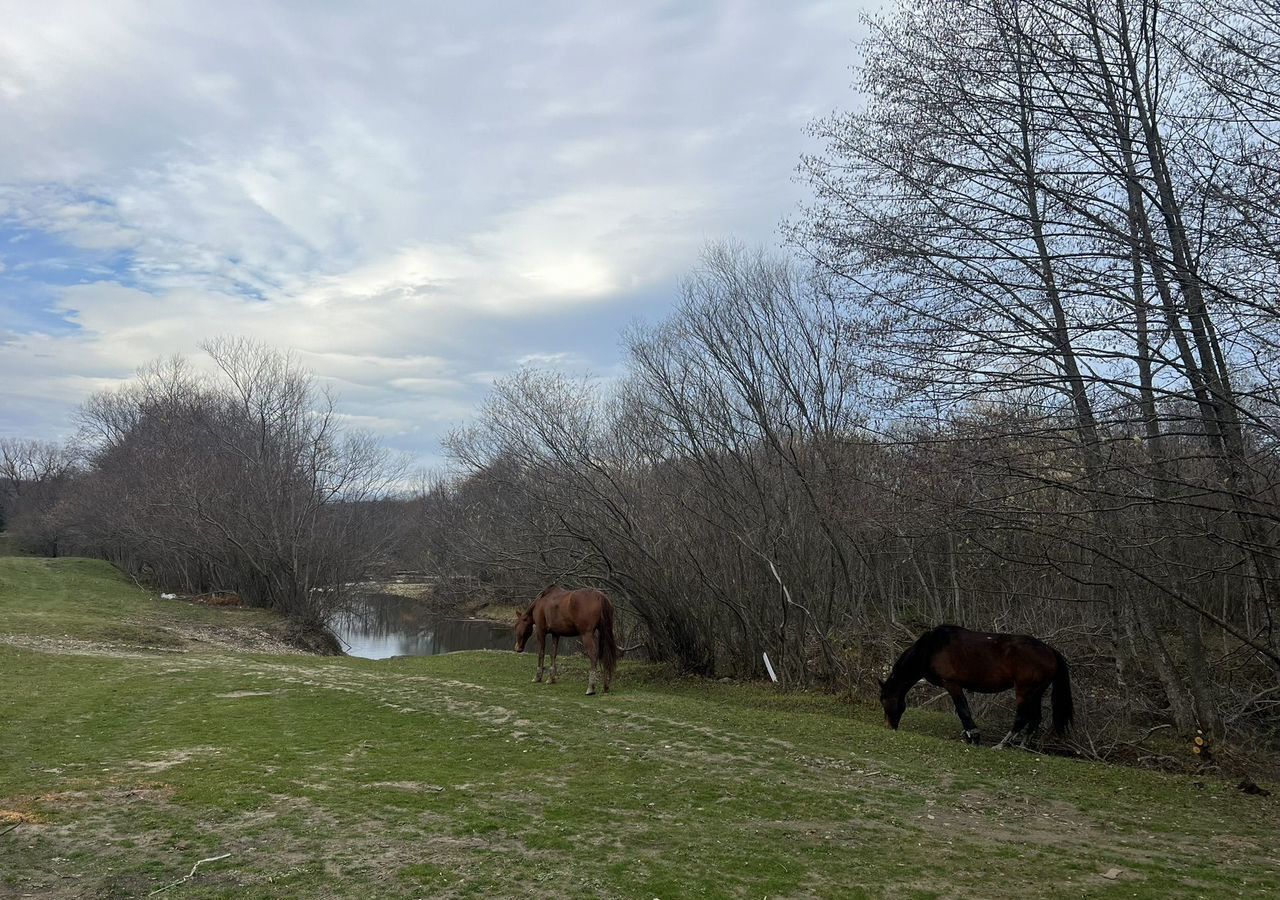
<point x="414" y="200"/>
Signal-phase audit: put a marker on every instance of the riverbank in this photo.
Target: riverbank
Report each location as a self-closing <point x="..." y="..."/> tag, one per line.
<point x="474" y="606"/>
<point x="141" y="739"/>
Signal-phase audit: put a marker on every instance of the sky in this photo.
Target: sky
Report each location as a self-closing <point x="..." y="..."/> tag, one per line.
<point x="417" y="198"/>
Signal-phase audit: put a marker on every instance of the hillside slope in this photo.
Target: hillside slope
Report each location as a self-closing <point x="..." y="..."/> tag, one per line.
<point x="133" y="750"/>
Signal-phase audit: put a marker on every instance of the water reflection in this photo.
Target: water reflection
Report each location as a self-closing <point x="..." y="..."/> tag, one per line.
<point x="383" y="625"/>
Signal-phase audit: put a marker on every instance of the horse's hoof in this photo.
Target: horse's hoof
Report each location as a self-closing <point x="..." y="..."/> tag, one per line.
<point x="591" y="693"/>
<point x="972" y="737"/>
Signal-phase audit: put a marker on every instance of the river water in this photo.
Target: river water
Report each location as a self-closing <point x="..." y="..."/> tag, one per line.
<point x="380" y="626"/>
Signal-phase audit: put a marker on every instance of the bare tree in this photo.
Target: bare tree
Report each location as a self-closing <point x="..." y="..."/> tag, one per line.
<point x="1029" y="214"/>
<point x="34" y="476"/>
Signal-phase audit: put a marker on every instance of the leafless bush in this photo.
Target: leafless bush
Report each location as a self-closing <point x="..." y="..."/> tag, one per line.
<point x="242" y="481"/>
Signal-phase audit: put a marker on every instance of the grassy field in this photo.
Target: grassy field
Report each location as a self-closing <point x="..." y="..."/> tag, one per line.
<point x="137" y="741"/>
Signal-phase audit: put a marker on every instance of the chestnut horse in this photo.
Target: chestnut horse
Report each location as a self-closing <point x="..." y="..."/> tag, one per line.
<point x="957" y="659"/>
<point x="559" y="612"/>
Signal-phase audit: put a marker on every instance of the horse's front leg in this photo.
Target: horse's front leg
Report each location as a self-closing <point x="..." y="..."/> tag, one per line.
<point x="555" y="649"/>
<point x="542" y="652"/>
<point x="971" y="735"/>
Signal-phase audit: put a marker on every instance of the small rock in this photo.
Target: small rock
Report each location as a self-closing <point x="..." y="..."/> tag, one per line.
<point x="1113" y="874"/>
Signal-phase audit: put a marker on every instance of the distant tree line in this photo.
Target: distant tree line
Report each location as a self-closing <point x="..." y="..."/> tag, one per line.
<point x="1021" y="375"/>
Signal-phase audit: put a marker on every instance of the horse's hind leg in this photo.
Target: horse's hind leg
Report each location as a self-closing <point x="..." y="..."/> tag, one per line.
<point x="1034" y="713"/>
<point x="592" y="647"/>
<point x="1021" y="719"/>
<point x="555" y="649"/>
<point x="971" y="735"/>
<point x="1004" y="741"/>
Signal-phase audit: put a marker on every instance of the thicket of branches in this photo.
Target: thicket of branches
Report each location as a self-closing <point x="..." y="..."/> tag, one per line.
<point x="1025" y="379"/>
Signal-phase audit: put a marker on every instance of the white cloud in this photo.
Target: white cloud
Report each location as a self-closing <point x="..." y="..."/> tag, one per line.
<point x="559" y="360"/>
<point x="415" y="199"/>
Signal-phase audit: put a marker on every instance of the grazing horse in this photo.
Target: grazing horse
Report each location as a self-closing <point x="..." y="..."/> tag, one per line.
<point x="957" y="659"/>
<point x="564" y="613"/>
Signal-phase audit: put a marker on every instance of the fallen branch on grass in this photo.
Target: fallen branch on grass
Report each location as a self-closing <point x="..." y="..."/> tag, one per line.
<point x="190" y="874"/>
<point x="1104" y="752"/>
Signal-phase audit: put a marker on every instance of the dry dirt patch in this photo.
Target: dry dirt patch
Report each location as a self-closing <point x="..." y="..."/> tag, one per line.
<point x="178" y="639"/>
<point x="74" y="647"/>
<point x="168" y="760"/>
<point x="411" y="786"/>
<point x="239" y="695"/>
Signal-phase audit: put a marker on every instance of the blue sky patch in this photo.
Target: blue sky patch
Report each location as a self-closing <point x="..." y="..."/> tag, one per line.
<point x="37" y="266"/>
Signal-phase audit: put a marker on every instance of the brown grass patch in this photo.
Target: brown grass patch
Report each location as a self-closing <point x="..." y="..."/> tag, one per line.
<point x="219" y="599"/>
<point x="16" y="817"/>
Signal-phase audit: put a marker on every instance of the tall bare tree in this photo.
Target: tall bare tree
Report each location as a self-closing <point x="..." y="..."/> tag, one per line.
<point x="241" y="481"/>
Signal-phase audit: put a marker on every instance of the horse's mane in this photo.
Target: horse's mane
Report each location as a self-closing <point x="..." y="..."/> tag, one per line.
<point x="534" y="602"/>
<point x="916" y="658"/>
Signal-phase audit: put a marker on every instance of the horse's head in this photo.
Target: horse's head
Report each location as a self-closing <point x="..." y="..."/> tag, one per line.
<point x="524" y="628"/>
<point x="894" y="703"/>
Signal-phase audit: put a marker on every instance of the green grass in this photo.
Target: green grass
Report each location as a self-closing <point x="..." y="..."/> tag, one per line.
<point x="9" y="545"/>
<point x="456" y="776"/>
<point x="88" y="600"/>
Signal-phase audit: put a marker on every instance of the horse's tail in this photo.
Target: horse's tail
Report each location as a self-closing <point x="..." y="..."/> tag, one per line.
<point x="1063" y="708"/>
<point x="608" y="643"/>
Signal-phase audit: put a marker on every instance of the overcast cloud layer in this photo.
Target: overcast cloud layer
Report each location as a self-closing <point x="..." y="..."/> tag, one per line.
<point x="414" y="199"/>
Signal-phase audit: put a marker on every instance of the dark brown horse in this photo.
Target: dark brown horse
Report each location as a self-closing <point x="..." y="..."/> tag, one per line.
<point x="957" y="659"/>
<point x="559" y="612"/>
